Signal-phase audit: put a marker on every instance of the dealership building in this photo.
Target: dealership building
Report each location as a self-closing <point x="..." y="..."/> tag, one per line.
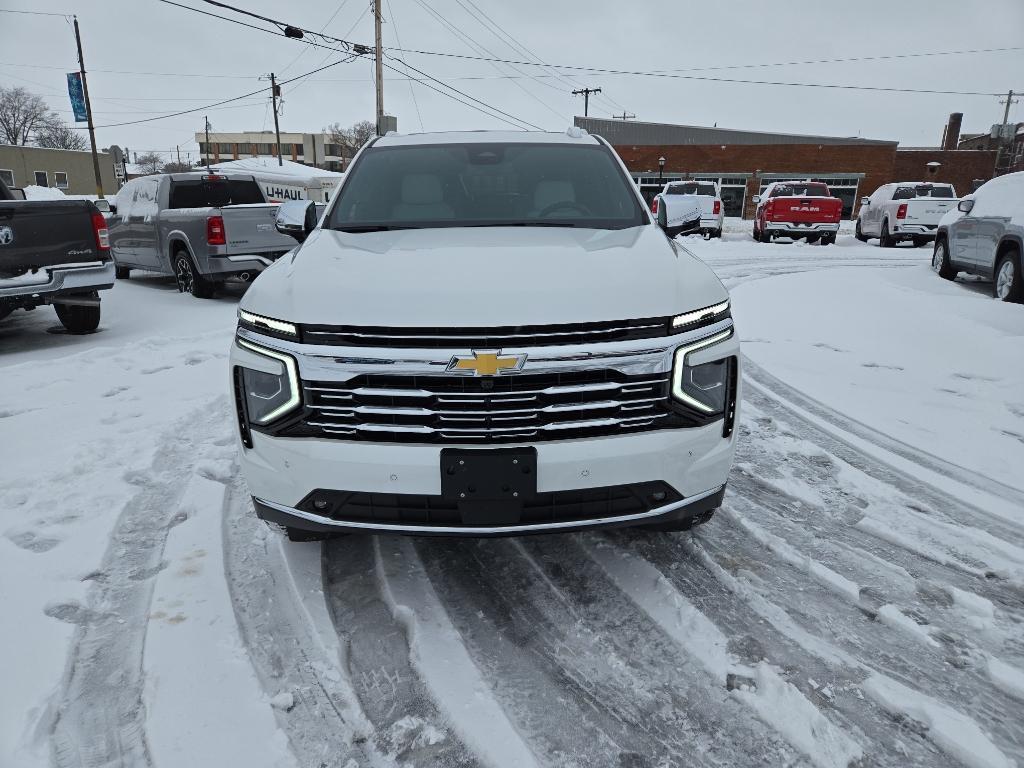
<point x="315" y="149"/>
<point x="743" y="163"/>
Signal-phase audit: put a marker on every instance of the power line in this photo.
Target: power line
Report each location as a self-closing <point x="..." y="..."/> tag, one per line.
<point x="36" y="13"/>
<point x="412" y="91"/>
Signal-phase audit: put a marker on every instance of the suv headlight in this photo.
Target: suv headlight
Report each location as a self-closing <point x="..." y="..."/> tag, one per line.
<point x="267" y="325"/>
<point x="269" y="396"/>
<point x="704" y="387"/>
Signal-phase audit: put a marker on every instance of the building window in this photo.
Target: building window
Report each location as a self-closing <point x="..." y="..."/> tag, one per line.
<point x="264" y="149"/>
<point x="60" y="179"/>
<point x="40" y="177"/>
<point x="7" y="177"/>
<point x="226" y="149"/>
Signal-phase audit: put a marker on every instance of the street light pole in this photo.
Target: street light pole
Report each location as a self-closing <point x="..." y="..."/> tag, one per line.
<point x="661" y="170"/>
<point x="88" y="112"/>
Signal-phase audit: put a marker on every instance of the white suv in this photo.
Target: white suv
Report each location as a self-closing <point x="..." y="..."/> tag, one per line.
<point x="485" y="334"/>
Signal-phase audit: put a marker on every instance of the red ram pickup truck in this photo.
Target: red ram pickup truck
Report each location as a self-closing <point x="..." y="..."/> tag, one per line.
<point x="797" y="209"/>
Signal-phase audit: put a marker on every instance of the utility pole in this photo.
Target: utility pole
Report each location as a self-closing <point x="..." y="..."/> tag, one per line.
<point x="88" y="112"/>
<point x="1002" y="129"/>
<point x="207" y="143"/>
<point x="379" y="51"/>
<point x="585" y="92"/>
<point x="625" y="116"/>
<point x="277" y="128"/>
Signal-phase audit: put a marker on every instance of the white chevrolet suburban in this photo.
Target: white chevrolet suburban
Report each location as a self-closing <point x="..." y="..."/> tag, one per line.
<point x="485" y="334"/>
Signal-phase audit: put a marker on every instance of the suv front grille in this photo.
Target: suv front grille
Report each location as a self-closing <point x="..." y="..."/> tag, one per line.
<point x="458" y="409"/>
<point x="486" y="338"/>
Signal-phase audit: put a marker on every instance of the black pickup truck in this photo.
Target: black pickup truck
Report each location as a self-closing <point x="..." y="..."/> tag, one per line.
<point x="53" y="252"/>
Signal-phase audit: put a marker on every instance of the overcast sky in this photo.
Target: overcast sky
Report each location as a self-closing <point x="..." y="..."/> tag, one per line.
<point x="147" y="58"/>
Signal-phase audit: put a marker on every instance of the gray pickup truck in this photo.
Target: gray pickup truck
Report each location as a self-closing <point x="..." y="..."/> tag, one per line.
<point x="53" y="252"/>
<point x="203" y="228"/>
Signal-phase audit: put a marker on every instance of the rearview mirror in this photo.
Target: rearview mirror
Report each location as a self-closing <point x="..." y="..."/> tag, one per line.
<point x="865" y="201"/>
<point x="296" y="218"/>
<point x="756" y="199"/>
<point x="965" y="205"/>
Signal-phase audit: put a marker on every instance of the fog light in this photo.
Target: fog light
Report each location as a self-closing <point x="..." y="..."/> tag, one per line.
<point x="658" y="496"/>
<point x="320" y="504"/>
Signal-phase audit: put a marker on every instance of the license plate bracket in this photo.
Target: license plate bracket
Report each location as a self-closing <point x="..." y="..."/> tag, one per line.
<point x="507" y="475"/>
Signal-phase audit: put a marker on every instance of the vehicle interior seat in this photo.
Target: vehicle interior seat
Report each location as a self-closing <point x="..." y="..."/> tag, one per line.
<point x="422" y="199"/>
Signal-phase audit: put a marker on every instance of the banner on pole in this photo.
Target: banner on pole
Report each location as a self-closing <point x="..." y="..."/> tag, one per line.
<point x="77" y="94"/>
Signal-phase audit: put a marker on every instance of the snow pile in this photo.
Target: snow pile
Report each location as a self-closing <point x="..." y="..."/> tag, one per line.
<point x="33" y="192"/>
<point x="266" y="167"/>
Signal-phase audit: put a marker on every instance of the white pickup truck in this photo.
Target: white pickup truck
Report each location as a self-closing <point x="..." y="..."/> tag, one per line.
<point x="905" y="210"/>
<point x="485" y="334"/>
<point x="707" y="197"/>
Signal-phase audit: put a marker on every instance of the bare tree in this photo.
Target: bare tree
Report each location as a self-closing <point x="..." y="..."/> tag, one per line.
<point x="54" y="133"/>
<point x="21" y="114"/>
<point x="176" y="167"/>
<point x="353" y="137"/>
<point x="148" y="163"/>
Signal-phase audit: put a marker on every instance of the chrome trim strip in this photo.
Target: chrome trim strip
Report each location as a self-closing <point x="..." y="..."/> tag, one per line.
<point x="498" y="397"/>
<point x="253" y="257"/>
<point x="469" y="339"/>
<point x="470" y="530"/>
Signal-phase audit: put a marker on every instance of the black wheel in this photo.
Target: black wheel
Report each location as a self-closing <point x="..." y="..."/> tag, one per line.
<point x="828" y="239"/>
<point x="859" y="234"/>
<point x="763" y="237"/>
<point x="812" y="239"/>
<point x="940" y="260"/>
<point x="122" y="273"/>
<point x="919" y="241"/>
<point x="685" y="524"/>
<point x="1009" y="283"/>
<point x="79" y="319"/>
<point x="189" y="279"/>
<point x="885" y="238"/>
<point x="716" y="232"/>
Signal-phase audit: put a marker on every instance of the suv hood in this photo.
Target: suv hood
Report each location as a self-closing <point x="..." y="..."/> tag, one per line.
<point x="483" y="277"/>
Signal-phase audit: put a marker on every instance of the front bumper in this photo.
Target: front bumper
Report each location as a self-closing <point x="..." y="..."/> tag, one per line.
<point x="283" y="473"/>
<point x="49" y="283"/>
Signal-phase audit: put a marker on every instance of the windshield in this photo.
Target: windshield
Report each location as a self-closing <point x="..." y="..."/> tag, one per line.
<point x="691" y="188"/>
<point x="467" y="185"/>
<point x="800" y="189"/>
<point x="200" y="193"/>
<point x="944" y="191"/>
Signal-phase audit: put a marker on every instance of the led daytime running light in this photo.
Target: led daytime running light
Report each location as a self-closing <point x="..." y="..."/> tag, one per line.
<point x="689" y="318"/>
<point x="267" y="322"/>
<point x="680" y="366"/>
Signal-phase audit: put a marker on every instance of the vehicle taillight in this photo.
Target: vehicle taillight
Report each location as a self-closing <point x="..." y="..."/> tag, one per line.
<point x="901" y="212"/>
<point x="215" y="234"/>
<point x="718" y="208"/>
<point x="99" y="229"/>
<point x="654" y="205"/>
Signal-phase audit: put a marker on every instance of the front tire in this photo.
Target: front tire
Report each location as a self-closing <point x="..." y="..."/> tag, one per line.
<point x="859" y="234"/>
<point x="78" y="319"/>
<point x="188" y="277"/>
<point x="940" y="260"/>
<point x="885" y="238"/>
<point x="1009" y="284"/>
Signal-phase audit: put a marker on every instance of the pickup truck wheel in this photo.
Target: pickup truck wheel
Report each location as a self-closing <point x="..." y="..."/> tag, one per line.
<point x="812" y="239"/>
<point x="919" y="241"/>
<point x="940" y="260"/>
<point x="716" y="232"/>
<point x="685" y="524"/>
<point x="79" y="319"/>
<point x="1009" y="284"/>
<point x="859" y="234"/>
<point x="122" y="273"/>
<point x="885" y="239"/>
<point x="189" y="279"/>
<point x="828" y="239"/>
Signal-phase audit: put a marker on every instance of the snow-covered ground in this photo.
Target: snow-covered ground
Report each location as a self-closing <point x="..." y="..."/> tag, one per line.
<point x="858" y="601"/>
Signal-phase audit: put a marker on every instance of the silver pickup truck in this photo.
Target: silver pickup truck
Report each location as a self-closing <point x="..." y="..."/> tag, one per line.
<point x="203" y="228"/>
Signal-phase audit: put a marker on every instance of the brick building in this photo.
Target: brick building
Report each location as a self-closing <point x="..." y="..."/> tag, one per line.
<point x="315" y="149"/>
<point x="744" y="162"/>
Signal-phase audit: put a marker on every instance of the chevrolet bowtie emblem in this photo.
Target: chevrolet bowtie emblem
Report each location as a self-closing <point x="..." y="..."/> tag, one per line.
<point x="485" y="364"/>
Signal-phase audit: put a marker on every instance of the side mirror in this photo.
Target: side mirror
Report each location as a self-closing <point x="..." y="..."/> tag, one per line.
<point x="756" y="199"/>
<point x="663" y="217"/>
<point x="296" y="218"/>
<point x="965" y="205"/>
<point x="865" y="201"/>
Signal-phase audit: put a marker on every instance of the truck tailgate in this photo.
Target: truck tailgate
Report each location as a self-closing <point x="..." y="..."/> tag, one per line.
<point x="44" y="233"/>
<point x="928" y="210"/>
<point x="250" y="229"/>
<point x="805" y="209"/>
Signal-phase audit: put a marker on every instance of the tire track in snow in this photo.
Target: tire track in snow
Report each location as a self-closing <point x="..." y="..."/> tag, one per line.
<point x="325" y="727"/>
<point x="379" y="649"/>
<point x="583" y="672"/>
<point x="99" y="715"/>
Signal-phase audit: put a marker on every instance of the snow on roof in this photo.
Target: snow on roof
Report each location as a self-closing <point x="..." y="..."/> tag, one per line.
<point x="487" y="137"/>
<point x="33" y="192"/>
<point x="268" y="166"/>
